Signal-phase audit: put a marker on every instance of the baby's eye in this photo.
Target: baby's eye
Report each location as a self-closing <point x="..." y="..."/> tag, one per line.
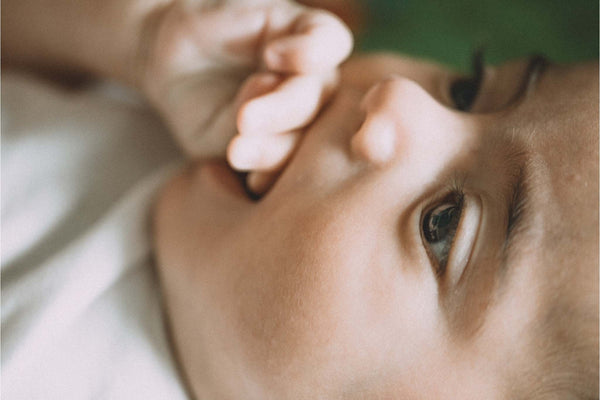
<point x="463" y="91"/>
<point x="439" y="228"/>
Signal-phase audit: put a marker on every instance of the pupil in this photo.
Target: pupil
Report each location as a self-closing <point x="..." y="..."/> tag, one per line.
<point x="440" y="222"/>
<point x="443" y="219"/>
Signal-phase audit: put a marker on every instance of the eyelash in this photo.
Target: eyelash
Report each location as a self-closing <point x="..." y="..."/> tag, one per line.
<point x="464" y="91"/>
<point x="455" y="199"/>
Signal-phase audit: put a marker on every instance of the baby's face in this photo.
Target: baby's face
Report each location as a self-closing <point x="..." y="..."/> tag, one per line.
<point x="437" y="269"/>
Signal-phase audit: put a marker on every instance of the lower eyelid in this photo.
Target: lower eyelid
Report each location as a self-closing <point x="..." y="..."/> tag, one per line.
<point x="464" y="240"/>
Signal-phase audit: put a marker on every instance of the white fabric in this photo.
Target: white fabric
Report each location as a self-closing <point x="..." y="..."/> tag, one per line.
<point x="81" y="316"/>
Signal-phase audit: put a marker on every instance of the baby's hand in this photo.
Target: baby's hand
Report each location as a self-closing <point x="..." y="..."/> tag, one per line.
<point x="267" y="64"/>
<point x="273" y="111"/>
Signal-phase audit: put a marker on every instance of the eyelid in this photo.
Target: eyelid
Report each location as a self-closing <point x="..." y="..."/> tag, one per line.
<point x="464" y="239"/>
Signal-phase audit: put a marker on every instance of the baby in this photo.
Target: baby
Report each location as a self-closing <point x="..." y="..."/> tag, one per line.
<point x="409" y="250"/>
<point x="417" y="234"/>
<point x="425" y="240"/>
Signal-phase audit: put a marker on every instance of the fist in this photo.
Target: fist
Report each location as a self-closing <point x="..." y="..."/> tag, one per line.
<point x="241" y="78"/>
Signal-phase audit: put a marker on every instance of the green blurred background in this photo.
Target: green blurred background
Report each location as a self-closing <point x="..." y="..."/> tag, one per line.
<point x="448" y="31"/>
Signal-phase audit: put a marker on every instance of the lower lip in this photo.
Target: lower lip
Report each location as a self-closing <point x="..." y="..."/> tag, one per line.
<point x="218" y="176"/>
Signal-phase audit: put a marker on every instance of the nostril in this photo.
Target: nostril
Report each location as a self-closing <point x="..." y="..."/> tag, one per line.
<point x="390" y="105"/>
<point x="401" y="115"/>
<point x="375" y="141"/>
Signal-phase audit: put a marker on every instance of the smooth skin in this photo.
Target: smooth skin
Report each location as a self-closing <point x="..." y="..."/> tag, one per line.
<point x="325" y="287"/>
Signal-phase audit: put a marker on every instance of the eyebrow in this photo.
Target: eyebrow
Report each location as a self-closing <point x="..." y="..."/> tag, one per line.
<point x="517" y="206"/>
<point x="518" y="209"/>
<point x="520" y="189"/>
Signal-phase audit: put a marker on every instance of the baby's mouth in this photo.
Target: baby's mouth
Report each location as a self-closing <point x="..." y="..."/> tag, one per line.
<point x="243" y="178"/>
<point x="221" y="178"/>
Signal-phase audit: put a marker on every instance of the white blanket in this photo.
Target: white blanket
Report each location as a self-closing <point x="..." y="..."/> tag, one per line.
<point x="81" y="316"/>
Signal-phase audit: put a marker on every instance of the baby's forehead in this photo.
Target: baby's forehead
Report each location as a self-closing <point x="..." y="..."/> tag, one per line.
<point x="566" y="94"/>
<point x="547" y="300"/>
<point x="559" y="342"/>
<point x="556" y="131"/>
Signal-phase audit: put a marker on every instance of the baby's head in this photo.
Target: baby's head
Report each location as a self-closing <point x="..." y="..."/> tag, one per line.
<point x="408" y="251"/>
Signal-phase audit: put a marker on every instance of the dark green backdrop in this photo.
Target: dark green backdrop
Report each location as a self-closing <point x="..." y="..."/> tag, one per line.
<point x="447" y="31"/>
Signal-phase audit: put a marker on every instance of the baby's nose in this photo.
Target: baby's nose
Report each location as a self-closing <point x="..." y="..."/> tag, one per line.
<point x="401" y="115"/>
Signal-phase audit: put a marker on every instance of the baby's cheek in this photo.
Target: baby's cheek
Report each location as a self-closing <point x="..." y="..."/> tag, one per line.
<point x="168" y="230"/>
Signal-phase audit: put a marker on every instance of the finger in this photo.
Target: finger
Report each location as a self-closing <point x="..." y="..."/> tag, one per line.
<point x="263" y="153"/>
<point x="257" y="84"/>
<point x="319" y="42"/>
<point x="259" y="182"/>
<point x="291" y="106"/>
<point x="228" y="32"/>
